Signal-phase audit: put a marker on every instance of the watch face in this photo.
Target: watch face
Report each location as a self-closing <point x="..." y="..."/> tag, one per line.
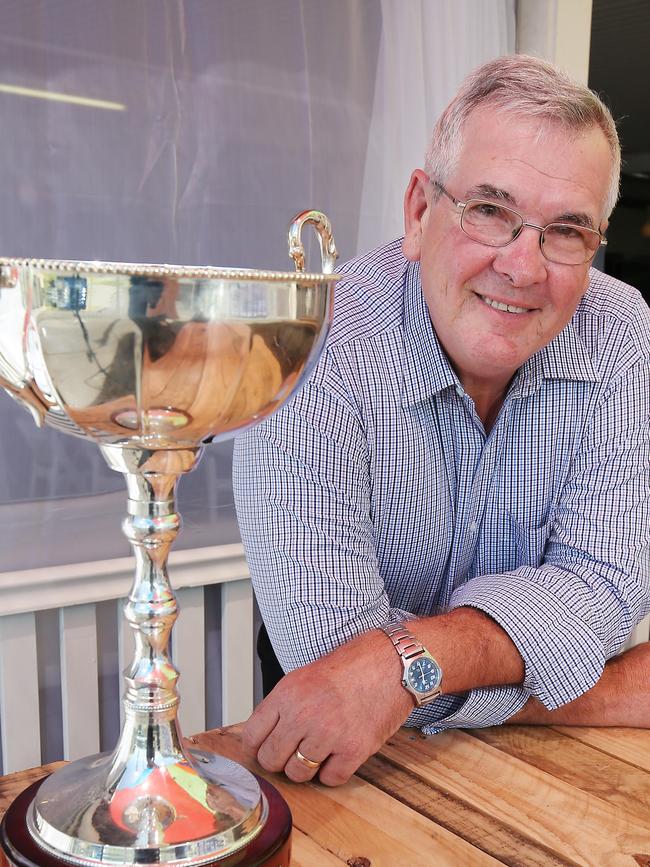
<point x="423" y="675"/>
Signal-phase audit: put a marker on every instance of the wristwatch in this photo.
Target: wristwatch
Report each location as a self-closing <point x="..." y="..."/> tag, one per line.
<point x="422" y="674"/>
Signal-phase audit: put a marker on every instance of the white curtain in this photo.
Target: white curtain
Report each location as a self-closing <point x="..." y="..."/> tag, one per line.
<point x="191" y="131"/>
<point x="426" y="49"/>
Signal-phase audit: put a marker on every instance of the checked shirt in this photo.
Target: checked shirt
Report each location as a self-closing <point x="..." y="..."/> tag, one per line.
<point x="375" y="493"/>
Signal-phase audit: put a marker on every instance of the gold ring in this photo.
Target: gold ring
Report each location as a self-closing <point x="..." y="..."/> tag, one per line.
<point x="308" y="763"/>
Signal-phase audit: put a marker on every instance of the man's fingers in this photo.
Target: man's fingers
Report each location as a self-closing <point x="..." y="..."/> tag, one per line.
<point x="334" y="770"/>
<point x="258" y="727"/>
<point x="338" y="769"/>
<point x="305" y="761"/>
<point x="275" y="751"/>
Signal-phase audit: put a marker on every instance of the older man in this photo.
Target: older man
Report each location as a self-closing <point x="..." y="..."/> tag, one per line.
<point x="450" y="524"/>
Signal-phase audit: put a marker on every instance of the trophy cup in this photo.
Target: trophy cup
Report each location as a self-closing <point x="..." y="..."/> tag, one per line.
<point x="151" y="362"/>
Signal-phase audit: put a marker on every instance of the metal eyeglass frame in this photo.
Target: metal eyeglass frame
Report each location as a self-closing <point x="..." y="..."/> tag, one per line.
<point x="541" y="229"/>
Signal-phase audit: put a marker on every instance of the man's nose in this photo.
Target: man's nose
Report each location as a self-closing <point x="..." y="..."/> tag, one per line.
<point x="522" y="261"/>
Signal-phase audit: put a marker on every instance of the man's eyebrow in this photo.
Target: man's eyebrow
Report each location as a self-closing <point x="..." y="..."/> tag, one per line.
<point x="487" y="191"/>
<point x="578" y="219"/>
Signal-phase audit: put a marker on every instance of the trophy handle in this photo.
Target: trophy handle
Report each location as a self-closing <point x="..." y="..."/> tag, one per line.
<point x="323" y="228"/>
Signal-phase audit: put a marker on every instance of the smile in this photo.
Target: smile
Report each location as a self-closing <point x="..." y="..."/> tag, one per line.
<point x="498" y="305"/>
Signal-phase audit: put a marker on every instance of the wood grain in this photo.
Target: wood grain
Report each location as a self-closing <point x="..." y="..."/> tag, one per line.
<point x="306" y="853"/>
<point x="516" y="795"/>
<point x="630" y="745"/>
<point x="591" y="770"/>
<point x="554" y="814"/>
<point x="500" y="840"/>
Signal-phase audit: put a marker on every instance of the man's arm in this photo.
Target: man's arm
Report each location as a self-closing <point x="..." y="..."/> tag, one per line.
<point x="574" y="610"/>
<point x="302" y="488"/>
<point x="341" y="708"/>
<point x="620" y="698"/>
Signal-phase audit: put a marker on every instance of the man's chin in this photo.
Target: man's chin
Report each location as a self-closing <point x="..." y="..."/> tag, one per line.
<point x="494" y="363"/>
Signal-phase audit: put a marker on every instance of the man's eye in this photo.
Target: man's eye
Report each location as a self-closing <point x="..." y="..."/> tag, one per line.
<point x="562" y="230"/>
<point x="486" y="210"/>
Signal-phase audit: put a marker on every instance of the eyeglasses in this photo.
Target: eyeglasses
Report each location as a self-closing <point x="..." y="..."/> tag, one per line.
<point x="497" y="226"/>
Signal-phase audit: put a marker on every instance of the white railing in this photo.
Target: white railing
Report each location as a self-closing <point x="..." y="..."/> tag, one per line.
<point x="74" y="592"/>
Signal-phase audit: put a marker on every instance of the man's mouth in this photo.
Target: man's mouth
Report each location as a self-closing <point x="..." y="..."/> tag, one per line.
<point x="499" y="305"/>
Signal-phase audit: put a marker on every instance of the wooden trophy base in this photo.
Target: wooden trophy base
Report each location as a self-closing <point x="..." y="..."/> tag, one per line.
<point x="271" y="847"/>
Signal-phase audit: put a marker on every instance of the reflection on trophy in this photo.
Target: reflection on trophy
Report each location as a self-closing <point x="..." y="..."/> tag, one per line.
<point x="151" y="362"/>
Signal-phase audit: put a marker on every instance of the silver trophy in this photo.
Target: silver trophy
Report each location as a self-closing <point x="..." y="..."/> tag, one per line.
<point x="151" y="362"/>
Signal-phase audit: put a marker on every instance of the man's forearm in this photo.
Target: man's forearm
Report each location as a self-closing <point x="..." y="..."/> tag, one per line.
<point x="472" y="649"/>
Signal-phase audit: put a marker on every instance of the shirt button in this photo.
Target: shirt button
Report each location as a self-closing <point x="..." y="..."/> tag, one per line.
<point x="473" y="526"/>
<point x="459" y="391"/>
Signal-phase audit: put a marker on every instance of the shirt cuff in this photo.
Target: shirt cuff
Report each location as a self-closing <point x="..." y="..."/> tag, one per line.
<point x="563" y="657"/>
<point x="478" y="708"/>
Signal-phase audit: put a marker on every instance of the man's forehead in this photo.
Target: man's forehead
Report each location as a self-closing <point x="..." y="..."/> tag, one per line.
<point x="497" y="126"/>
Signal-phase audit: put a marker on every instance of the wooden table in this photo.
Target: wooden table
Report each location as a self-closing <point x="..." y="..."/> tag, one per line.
<point x="513" y="795"/>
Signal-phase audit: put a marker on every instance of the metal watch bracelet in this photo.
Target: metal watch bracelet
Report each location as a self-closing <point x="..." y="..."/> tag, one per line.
<point x="404" y="642"/>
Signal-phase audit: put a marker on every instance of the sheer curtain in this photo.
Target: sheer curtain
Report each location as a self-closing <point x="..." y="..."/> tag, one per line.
<point x="191" y="131"/>
<point x="426" y="49"/>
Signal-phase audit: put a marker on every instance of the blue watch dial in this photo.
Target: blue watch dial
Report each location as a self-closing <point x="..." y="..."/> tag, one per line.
<point x="423" y="675"/>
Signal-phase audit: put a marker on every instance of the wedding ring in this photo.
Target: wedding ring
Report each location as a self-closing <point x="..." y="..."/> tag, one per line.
<point x="308" y="763"/>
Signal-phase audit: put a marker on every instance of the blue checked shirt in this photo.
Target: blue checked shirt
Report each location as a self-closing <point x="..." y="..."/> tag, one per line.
<point x="375" y="493"/>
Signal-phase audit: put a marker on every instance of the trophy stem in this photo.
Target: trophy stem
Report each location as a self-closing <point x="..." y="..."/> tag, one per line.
<point x="151" y="800"/>
<point x="151" y="526"/>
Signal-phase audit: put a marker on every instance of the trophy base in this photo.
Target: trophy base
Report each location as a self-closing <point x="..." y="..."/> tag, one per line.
<point x="271" y="847"/>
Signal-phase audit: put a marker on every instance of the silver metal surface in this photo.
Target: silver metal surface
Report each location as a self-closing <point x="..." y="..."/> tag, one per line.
<point x="152" y="361"/>
<point x="196" y="807"/>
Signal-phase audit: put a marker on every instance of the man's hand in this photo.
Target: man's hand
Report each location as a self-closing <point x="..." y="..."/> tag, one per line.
<point x="338" y="710"/>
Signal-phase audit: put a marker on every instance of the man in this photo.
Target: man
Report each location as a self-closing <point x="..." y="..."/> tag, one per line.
<point x="460" y="495"/>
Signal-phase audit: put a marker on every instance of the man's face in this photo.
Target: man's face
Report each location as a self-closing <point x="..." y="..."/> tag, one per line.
<point x="548" y="176"/>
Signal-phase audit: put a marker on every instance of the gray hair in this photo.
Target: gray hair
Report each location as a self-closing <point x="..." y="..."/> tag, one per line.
<point x="525" y="87"/>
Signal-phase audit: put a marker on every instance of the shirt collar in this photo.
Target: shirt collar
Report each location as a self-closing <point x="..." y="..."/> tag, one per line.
<point x="565" y="357"/>
<point x="427" y="370"/>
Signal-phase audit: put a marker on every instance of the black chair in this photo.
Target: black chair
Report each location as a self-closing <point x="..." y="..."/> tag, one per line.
<point x="271" y="669"/>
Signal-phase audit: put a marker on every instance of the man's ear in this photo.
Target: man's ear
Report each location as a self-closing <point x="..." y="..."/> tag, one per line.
<point x="416" y="214"/>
